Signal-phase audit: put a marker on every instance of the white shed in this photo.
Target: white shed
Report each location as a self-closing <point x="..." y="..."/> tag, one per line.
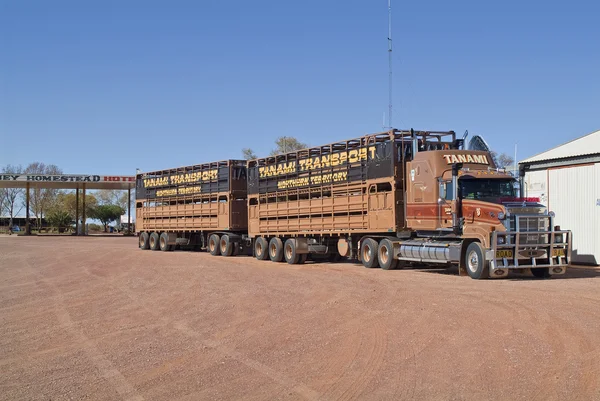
<point x="567" y="180"/>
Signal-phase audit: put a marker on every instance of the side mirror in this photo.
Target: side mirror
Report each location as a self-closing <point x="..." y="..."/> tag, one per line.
<point x="442" y="190"/>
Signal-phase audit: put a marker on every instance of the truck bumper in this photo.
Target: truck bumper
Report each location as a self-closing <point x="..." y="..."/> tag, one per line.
<point x="514" y="253"/>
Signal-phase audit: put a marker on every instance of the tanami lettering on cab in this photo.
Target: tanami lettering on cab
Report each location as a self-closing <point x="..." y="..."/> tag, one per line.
<point x="475" y="159"/>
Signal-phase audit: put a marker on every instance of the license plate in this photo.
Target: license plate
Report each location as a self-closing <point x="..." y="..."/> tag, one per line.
<point x="504" y="253"/>
<point x="558" y="252"/>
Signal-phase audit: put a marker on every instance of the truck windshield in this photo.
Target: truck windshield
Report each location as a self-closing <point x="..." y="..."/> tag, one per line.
<point x="490" y="190"/>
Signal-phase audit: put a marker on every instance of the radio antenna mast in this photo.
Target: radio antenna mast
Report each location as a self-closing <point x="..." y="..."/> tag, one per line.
<point x="390" y="63"/>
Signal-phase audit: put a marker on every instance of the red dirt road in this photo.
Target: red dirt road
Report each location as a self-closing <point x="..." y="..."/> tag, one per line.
<point x="99" y="319"/>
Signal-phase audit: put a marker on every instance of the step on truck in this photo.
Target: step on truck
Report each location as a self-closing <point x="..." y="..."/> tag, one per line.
<point x="400" y="198"/>
<point x="199" y="207"/>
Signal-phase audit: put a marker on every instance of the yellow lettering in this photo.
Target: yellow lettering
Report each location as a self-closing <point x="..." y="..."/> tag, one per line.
<point x="353" y="156"/>
<point x="335" y="159"/>
<point x="316" y="163"/>
<point x="343" y="157"/>
<point x="363" y="154"/>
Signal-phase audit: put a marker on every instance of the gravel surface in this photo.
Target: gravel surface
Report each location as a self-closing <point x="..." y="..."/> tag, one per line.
<point x="99" y="319"/>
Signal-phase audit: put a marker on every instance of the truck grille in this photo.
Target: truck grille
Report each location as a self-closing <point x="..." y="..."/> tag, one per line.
<point x="532" y="224"/>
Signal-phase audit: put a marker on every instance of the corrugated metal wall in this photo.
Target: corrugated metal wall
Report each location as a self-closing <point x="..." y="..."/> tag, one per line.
<point x="574" y="195"/>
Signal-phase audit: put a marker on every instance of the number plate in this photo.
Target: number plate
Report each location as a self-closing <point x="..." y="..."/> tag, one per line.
<point x="558" y="252"/>
<point x="504" y="253"/>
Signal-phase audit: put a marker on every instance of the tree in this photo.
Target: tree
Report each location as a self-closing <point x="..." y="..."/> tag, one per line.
<point x="112" y="197"/>
<point x="502" y="160"/>
<point x="41" y="199"/>
<point x="60" y="219"/>
<point x="9" y="197"/>
<point x="248" y="154"/>
<point x="107" y="213"/>
<point x="285" y="144"/>
<point x="67" y="201"/>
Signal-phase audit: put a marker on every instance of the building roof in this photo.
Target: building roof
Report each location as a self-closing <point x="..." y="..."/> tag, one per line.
<point x="586" y="145"/>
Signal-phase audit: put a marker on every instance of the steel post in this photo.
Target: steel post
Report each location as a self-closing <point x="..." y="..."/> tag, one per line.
<point x="83" y="213"/>
<point x="129" y="210"/>
<point x="77" y="211"/>
<point x="27" y="223"/>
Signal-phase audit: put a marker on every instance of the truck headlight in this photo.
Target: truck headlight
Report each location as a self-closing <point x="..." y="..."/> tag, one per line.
<point x="501" y="216"/>
<point x="558" y="238"/>
<point x="501" y="240"/>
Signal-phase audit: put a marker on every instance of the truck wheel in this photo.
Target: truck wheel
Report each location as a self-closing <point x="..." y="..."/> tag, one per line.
<point x="144" y="238"/>
<point x="368" y="253"/>
<point x="163" y="242"/>
<point x="154" y="239"/>
<point x="276" y="249"/>
<point x="385" y="254"/>
<point x="213" y="245"/>
<point x="540" y="272"/>
<point x="289" y="252"/>
<point x="477" y="266"/>
<point x="261" y="249"/>
<point x="226" y="246"/>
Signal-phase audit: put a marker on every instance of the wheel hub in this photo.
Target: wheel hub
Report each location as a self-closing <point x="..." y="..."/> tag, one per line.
<point x="383" y="255"/>
<point x="473" y="261"/>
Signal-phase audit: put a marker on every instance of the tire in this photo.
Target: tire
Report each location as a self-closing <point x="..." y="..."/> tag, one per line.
<point x="385" y="255"/>
<point x="163" y="242"/>
<point x="368" y="253"/>
<point x="289" y="252"/>
<point x="541" y="272"/>
<point x="261" y="247"/>
<point x="226" y="246"/>
<point x="475" y="263"/>
<point x="154" y="241"/>
<point x="276" y="249"/>
<point x="144" y="241"/>
<point x="213" y="245"/>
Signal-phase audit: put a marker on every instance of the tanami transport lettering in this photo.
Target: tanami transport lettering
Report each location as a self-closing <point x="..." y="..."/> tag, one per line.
<point x="180" y="179"/>
<point x="315" y="163"/>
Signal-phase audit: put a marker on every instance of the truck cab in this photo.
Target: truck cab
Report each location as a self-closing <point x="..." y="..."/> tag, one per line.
<point x="461" y="194"/>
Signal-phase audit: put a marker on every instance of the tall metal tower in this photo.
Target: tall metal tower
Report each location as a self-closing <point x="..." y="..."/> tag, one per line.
<point x="390" y="63"/>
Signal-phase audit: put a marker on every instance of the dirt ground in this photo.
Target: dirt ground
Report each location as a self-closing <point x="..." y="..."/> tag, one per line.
<point x="99" y="319"/>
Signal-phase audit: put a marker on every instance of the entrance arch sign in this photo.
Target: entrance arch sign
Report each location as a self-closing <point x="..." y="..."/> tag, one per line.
<point x="69" y="181"/>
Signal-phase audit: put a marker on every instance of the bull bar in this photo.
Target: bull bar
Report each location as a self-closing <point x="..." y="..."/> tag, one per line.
<point x="541" y="255"/>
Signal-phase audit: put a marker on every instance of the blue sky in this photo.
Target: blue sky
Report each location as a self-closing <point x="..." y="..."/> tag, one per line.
<point x="105" y="87"/>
